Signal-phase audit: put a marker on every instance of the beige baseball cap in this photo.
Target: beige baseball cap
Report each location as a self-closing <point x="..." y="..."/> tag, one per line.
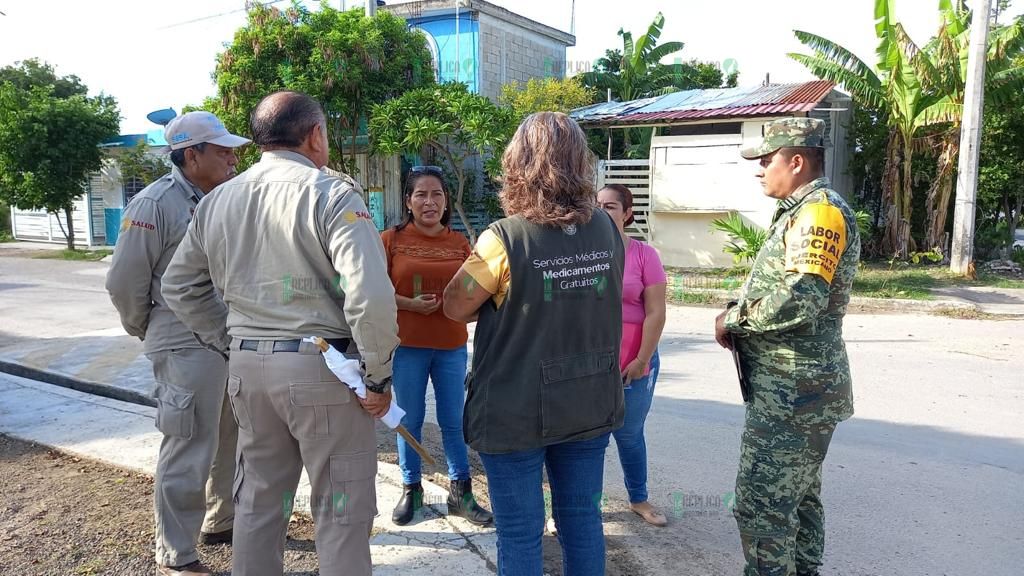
<point x="199" y="127"/>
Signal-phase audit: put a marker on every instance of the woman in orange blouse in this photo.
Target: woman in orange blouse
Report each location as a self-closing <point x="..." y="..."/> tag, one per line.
<point x="423" y="256"/>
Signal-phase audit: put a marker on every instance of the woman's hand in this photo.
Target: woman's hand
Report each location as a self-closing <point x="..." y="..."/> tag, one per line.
<point x="634" y="370"/>
<point x="425" y="304"/>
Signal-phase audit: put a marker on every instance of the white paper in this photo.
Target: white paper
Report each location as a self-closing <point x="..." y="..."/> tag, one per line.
<point x="347" y="370"/>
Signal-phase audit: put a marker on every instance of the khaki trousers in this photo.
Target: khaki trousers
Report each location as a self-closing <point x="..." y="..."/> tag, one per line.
<point x="292" y="411"/>
<point x="196" y="465"/>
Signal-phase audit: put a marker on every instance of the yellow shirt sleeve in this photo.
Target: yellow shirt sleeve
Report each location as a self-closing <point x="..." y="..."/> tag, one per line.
<point x="816" y="240"/>
<point x="488" y="266"/>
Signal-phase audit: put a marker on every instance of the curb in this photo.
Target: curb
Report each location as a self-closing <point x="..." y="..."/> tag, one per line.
<point x="86" y="386"/>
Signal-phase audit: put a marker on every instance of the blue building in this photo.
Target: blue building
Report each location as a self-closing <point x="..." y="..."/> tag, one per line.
<point x="484" y="45"/>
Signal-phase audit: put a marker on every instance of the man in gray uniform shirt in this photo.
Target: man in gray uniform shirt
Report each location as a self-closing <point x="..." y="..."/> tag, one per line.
<point x="294" y="253"/>
<point x="197" y="455"/>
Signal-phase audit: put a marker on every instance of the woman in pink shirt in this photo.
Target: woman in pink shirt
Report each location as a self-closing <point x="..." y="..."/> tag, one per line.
<point x="643" y="318"/>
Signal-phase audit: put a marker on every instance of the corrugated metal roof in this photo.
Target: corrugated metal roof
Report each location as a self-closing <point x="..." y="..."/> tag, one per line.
<point x="711" y="103"/>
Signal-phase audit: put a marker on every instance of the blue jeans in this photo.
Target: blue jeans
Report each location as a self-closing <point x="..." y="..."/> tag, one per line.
<point x="447" y="370"/>
<point x="630" y="438"/>
<point x="576" y="475"/>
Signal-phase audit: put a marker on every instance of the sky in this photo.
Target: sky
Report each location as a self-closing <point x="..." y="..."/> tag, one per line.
<point x="156" y="54"/>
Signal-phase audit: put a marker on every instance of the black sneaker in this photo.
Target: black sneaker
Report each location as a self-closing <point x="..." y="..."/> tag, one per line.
<point x="216" y="538"/>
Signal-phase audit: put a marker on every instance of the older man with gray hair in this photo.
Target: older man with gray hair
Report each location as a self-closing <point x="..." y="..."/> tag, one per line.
<point x="294" y="252"/>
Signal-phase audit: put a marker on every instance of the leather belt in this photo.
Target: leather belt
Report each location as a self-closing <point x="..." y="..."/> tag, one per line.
<point x="339" y="344"/>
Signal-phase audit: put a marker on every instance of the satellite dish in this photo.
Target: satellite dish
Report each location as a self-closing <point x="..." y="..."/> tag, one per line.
<point x="162" y="117"/>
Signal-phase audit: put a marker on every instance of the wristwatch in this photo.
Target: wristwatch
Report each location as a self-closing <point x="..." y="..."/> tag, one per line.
<point x="378" y="388"/>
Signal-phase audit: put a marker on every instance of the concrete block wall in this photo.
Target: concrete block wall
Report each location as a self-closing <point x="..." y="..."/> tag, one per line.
<point x="509" y="53"/>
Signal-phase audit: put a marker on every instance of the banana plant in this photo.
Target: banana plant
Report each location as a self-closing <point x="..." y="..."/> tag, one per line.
<point x="942" y="67"/>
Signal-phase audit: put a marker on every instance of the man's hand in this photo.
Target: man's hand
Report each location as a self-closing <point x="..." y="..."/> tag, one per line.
<point x="376" y="404"/>
<point x="634" y="370"/>
<point x="721" y="334"/>
<point x="425" y="304"/>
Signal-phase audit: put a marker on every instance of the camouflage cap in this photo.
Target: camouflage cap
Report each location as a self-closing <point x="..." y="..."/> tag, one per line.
<point x="788" y="133"/>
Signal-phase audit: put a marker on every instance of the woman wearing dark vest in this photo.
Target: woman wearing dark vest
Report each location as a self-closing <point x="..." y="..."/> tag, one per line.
<point x="423" y="254"/>
<point x="545" y="288"/>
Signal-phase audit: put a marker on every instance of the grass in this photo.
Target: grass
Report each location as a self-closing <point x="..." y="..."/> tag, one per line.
<point x="915" y="282"/>
<point x="78" y="255"/>
<point x="874" y="280"/>
<point x="997" y="282"/>
<point x="5" y="236"/>
<point x="696" y="298"/>
<point x="911" y="284"/>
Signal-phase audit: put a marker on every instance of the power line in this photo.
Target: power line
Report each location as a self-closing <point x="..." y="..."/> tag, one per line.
<point x="194" y="20"/>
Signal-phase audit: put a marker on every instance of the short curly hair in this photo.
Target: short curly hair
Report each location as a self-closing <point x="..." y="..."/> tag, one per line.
<point x="548" y="172"/>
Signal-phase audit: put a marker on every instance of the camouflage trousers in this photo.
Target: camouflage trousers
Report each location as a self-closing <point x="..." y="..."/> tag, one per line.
<point x="778" y="496"/>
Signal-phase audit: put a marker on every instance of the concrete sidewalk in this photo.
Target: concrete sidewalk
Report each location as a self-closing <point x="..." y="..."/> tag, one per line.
<point x="123" y="434"/>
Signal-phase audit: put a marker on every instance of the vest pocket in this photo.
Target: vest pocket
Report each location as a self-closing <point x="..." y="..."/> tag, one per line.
<point x="578" y="393"/>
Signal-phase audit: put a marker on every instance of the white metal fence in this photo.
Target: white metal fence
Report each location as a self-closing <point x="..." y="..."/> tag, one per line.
<point x="635" y="175"/>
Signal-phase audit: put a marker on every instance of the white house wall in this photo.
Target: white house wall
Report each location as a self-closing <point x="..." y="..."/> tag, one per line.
<point x="696" y="179"/>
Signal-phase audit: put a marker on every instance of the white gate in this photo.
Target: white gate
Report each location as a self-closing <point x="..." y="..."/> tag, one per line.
<point x="635" y="175"/>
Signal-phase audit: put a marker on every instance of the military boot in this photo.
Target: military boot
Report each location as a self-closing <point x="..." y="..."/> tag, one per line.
<point x="462" y="503"/>
<point x="411" y="501"/>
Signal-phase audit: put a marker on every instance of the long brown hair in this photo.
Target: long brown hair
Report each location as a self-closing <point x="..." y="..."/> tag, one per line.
<point x="549" y="172"/>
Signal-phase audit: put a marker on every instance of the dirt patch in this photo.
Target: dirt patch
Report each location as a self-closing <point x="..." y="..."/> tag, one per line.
<point x="61" y="515"/>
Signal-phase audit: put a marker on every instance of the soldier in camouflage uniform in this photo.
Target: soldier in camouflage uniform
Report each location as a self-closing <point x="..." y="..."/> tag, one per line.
<point x="787" y="330"/>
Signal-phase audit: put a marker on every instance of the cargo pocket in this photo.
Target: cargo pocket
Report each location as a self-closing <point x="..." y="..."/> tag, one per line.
<point x="312" y="404"/>
<point x="175" y="414"/>
<point x="237" y="405"/>
<point x="353" y="487"/>
<point x="580" y="393"/>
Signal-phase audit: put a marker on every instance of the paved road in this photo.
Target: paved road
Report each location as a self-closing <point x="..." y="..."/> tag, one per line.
<point x="925" y="479"/>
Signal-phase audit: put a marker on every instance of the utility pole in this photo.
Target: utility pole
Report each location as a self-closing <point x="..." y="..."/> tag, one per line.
<point x="371" y="8"/>
<point x="458" y="43"/>
<point x="970" y="141"/>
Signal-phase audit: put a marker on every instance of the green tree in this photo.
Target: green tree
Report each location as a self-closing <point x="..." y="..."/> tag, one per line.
<point x="455" y="123"/>
<point x="32" y="72"/>
<point x="49" y="141"/>
<point x="1000" y="178"/>
<point x="547" y="95"/>
<point x="894" y="88"/>
<point x="138" y="162"/>
<point x="942" y="66"/>
<point x="343" y="59"/>
<point x="636" y="71"/>
<point x="919" y="93"/>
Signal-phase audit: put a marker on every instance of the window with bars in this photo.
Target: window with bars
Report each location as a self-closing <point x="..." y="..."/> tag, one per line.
<point x="132" y="186"/>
